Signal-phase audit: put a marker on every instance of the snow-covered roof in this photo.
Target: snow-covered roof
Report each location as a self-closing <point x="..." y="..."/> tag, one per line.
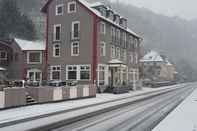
<point x="97" y="13"/>
<point x="95" y="4"/>
<point x="30" y="45"/>
<point x="152" y="56"/>
<point x="89" y="6"/>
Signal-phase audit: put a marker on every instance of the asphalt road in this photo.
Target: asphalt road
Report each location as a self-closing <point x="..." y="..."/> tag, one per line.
<point x="139" y="116"/>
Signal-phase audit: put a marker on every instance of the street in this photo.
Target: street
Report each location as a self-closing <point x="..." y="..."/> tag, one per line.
<point x="140" y="116"/>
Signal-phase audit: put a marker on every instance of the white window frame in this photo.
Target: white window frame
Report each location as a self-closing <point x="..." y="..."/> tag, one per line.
<point x="72" y="29"/>
<point x="113" y="31"/>
<point x="69" y="3"/>
<point x="102" y="27"/>
<point x="56" y="9"/>
<point x="118" y="52"/>
<point x="131" y="57"/>
<point x="6" y="55"/>
<point x="51" y="71"/>
<point x="78" y="72"/>
<point x="72" y="48"/>
<point x="85" y="70"/>
<point x="113" y="51"/>
<point x="125" y="55"/>
<point x="34" y="71"/>
<point x="102" y="47"/>
<point x="54" y="50"/>
<point x="28" y="60"/>
<point x="67" y="70"/>
<point x="54" y="31"/>
<point x="118" y="33"/>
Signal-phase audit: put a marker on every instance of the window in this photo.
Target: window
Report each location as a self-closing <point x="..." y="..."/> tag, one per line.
<point x="101" y="75"/>
<point x="102" y="49"/>
<point x="55" y="72"/>
<point x="75" y="29"/>
<point x="118" y="52"/>
<point x="16" y="56"/>
<point x="72" y="72"/>
<point x="72" y="7"/>
<point x="102" y="28"/>
<point x="56" y="50"/>
<point x="34" y="75"/>
<point x="136" y="58"/>
<point x="131" y="57"/>
<point x="84" y="72"/>
<point x="124" y="55"/>
<point x="124" y="37"/>
<point x="118" y="34"/>
<point x="113" y="32"/>
<point x="59" y="10"/>
<point x="34" y="57"/>
<point x="57" y="32"/>
<point x="113" y="51"/>
<point x="3" y="55"/>
<point x="75" y="49"/>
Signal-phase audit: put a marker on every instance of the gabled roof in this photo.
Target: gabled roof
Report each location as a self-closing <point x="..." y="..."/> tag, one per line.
<point x="26" y="45"/>
<point x="97" y="13"/>
<point x="152" y="56"/>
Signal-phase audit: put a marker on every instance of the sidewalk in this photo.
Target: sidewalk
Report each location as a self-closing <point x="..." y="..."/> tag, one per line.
<point x="183" y="118"/>
<point x="37" y="110"/>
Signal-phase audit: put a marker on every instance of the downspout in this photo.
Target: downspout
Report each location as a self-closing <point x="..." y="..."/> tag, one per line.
<point x="94" y="50"/>
<point x="46" y="50"/>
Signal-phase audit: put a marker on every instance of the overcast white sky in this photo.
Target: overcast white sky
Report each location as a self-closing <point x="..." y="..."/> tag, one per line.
<point x="183" y="8"/>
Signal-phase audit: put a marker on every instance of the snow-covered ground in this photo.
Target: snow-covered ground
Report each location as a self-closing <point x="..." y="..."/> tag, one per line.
<point x="183" y="118"/>
<point x="37" y="110"/>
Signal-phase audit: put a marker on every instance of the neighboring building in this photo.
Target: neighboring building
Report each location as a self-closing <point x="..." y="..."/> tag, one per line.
<point x="22" y="59"/>
<point x="157" y="67"/>
<point x="89" y="43"/>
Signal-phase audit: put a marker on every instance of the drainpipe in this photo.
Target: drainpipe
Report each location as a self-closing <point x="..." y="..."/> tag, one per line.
<point x="94" y="49"/>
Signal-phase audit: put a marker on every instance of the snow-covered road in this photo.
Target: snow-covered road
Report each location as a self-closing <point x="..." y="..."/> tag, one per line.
<point x="37" y="110"/>
<point x="183" y="118"/>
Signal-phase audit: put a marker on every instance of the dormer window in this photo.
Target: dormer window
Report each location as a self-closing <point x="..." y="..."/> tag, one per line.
<point x="110" y="14"/>
<point x="59" y="10"/>
<point x="72" y="7"/>
<point x="123" y="22"/>
<point x="102" y="28"/>
<point x="117" y="18"/>
<point x="103" y="11"/>
<point x="3" y="55"/>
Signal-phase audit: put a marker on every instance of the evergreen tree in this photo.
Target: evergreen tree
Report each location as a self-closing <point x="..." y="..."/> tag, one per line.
<point x="12" y="22"/>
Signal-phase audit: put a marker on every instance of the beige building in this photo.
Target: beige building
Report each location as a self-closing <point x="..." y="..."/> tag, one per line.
<point x="157" y="67"/>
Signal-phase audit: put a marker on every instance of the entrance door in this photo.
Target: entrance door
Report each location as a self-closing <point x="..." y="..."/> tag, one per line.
<point x="34" y="75"/>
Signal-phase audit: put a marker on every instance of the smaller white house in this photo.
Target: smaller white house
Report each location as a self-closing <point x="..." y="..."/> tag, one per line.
<point x="157" y="67"/>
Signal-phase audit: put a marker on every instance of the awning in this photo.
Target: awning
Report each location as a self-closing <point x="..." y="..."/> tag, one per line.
<point x="2" y="69"/>
<point x="116" y="63"/>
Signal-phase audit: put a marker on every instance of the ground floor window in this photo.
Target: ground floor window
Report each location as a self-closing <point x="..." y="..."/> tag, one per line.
<point x="85" y="72"/>
<point x="34" y="75"/>
<point x="101" y="75"/>
<point x="78" y="72"/>
<point x="55" y="72"/>
<point x="72" y="72"/>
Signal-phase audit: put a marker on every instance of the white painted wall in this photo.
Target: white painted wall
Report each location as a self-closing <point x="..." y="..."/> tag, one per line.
<point x="57" y="94"/>
<point x="2" y="99"/>
<point x="86" y="92"/>
<point x="73" y="92"/>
